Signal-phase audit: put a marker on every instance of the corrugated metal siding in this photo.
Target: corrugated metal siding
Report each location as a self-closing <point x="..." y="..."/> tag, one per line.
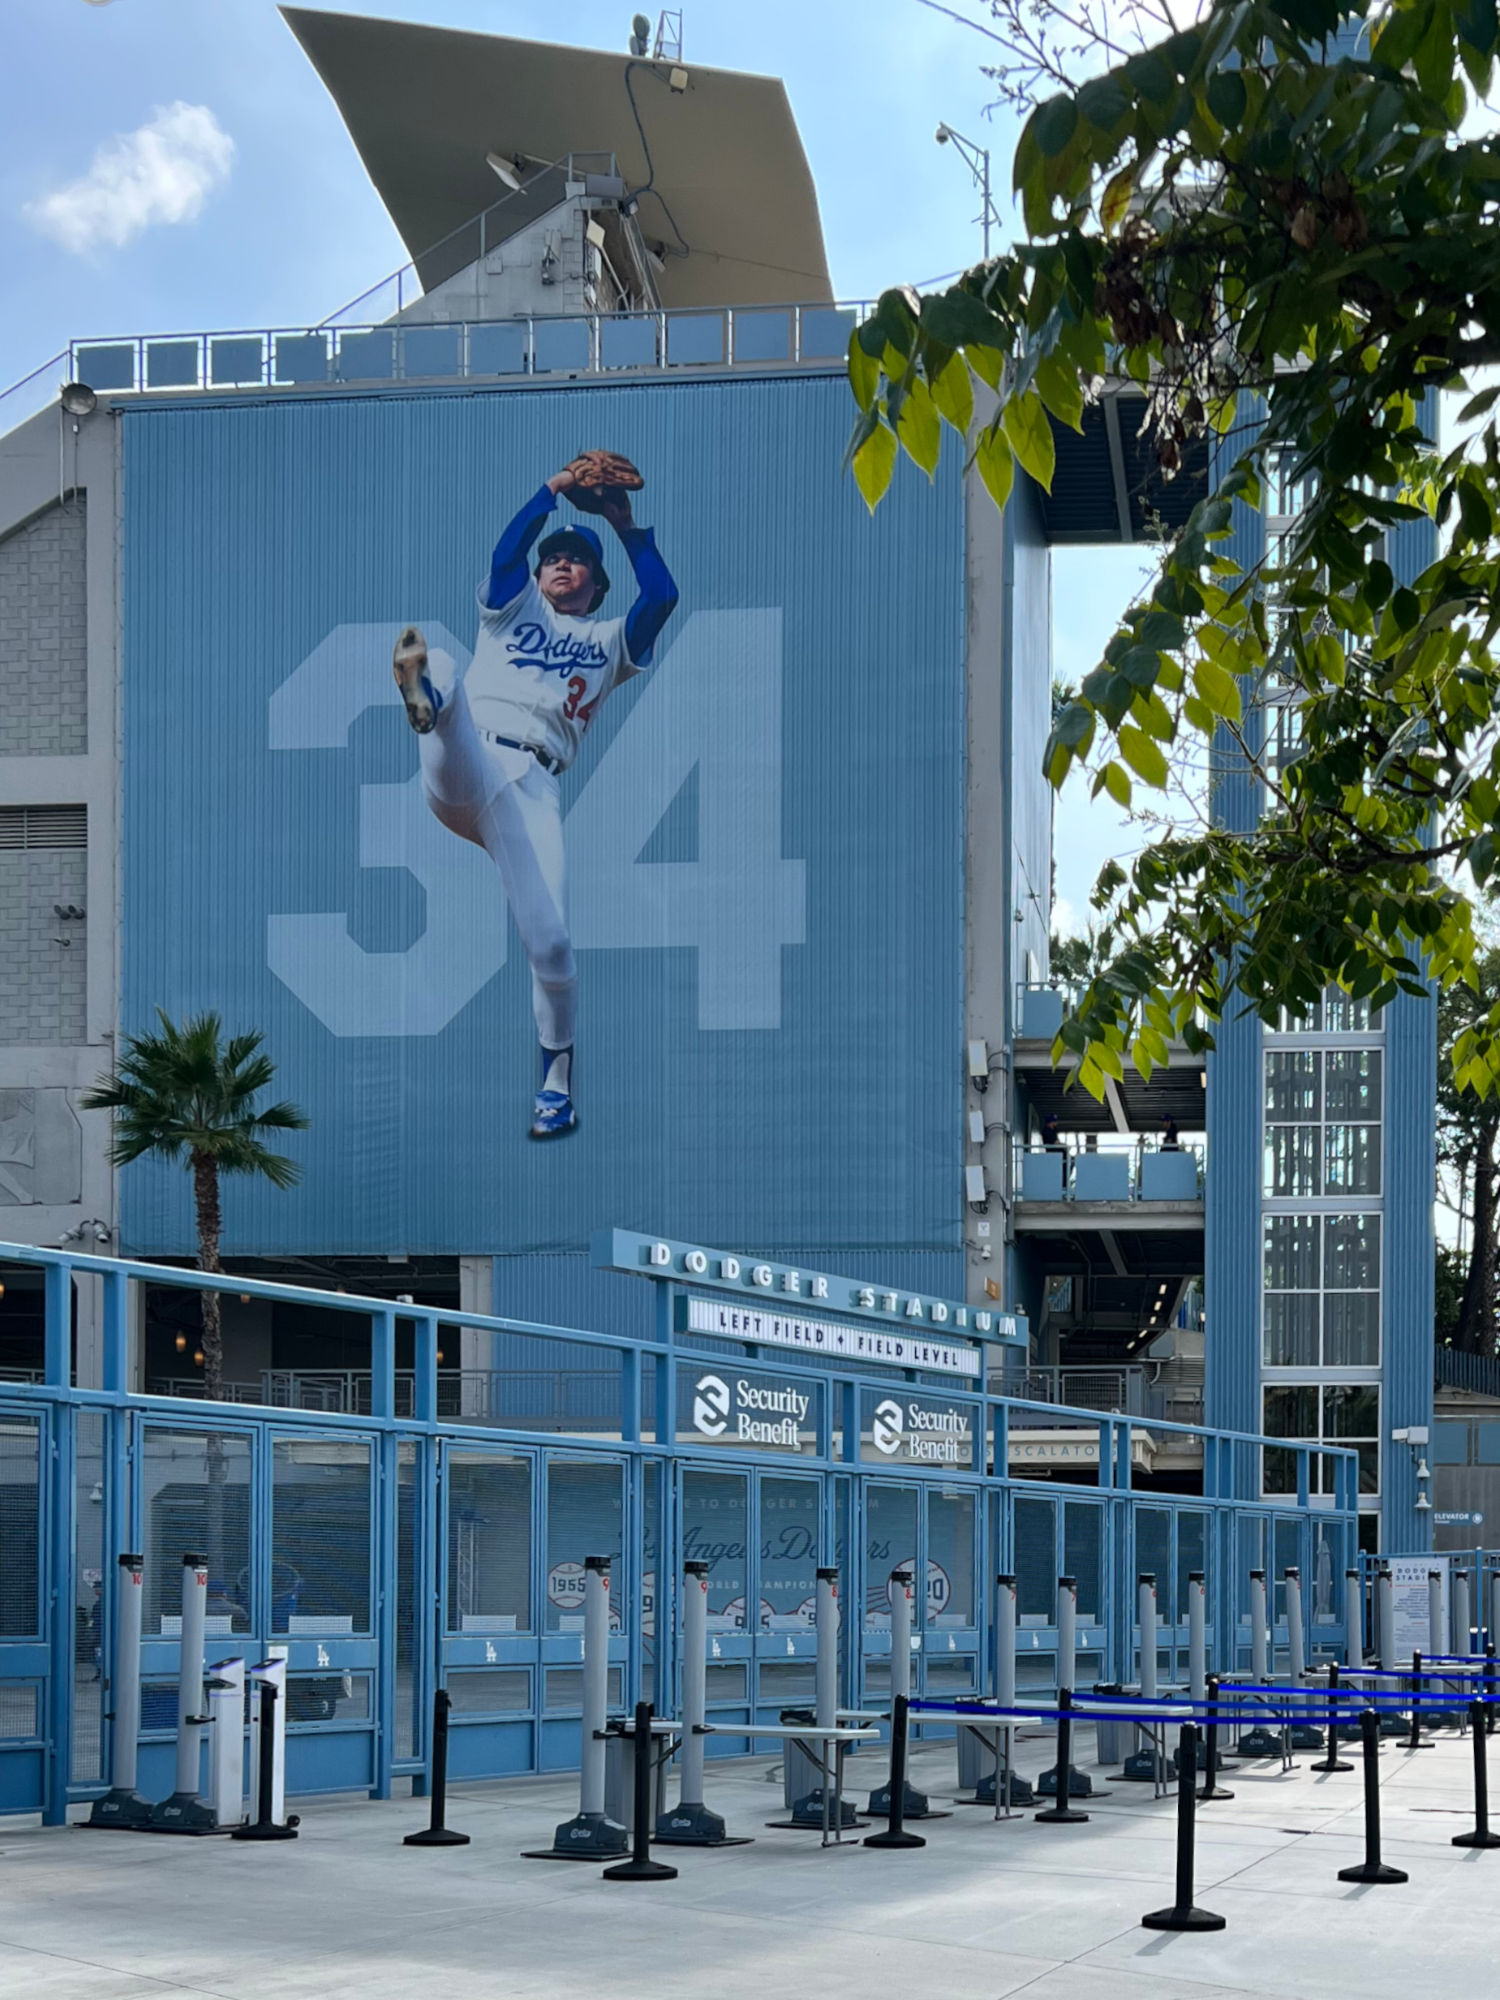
<point x="253" y="532"/>
<point x="1029" y="673"/>
<point x="1232" y="1253"/>
<point x="1407" y="1278"/>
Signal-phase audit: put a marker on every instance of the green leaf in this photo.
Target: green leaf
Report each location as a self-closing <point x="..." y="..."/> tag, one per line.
<point x="953" y="393"/>
<point x="1117" y="784"/>
<point x="1114" y="204"/>
<point x="1226" y="97"/>
<point x="874" y="462"/>
<point x="1218" y="688"/>
<point x="919" y="427"/>
<point x="1060" y="389"/>
<point x="864" y="372"/>
<point x="1144" y="756"/>
<point x="1326" y="657"/>
<point x="1103" y="101"/>
<point x="1053" y="124"/>
<point x="996" y="466"/>
<point x="1030" y="434"/>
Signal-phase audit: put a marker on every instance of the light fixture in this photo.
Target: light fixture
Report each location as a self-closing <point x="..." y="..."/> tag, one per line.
<point x="503" y="170"/>
<point x="181" y="1343"/>
<point x="197" y="1357"/>
<point x="678" y="79"/>
<point x="244" y="1298"/>
<point x="2" y="1291"/>
<point x="440" y="1355"/>
<point x="1422" y="1472"/>
<point x="655" y="259"/>
<point x="78" y="399"/>
<point x="1424" y="1505"/>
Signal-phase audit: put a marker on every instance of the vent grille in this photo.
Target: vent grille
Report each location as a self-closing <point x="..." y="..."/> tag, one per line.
<point x="44" y="826"/>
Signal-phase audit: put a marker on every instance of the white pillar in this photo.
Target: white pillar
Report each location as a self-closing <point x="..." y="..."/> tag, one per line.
<point x="1067" y="1633"/>
<point x="1354" y="1619"/>
<point x="828" y="1649"/>
<point x="190" y="1676"/>
<point x="901" y="1614"/>
<point x="1146" y="1616"/>
<point x="1005" y="1641"/>
<point x="1197" y="1636"/>
<point x="694" y="1678"/>
<point x="1435" y="1633"/>
<point x="595" y="1684"/>
<point x="1296" y="1644"/>
<point x="226" y="1741"/>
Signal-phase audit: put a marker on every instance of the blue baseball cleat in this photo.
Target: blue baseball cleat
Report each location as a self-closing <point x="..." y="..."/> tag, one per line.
<point x="554" y="1117"/>
<point x="409" y="664"/>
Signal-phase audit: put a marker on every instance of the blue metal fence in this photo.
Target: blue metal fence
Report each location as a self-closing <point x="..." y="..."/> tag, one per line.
<point x="407" y="1546"/>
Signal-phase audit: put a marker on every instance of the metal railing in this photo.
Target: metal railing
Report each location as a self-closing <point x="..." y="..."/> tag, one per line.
<point x="558" y="346"/>
<point x="1144" y="1171"/>
<point x="513" y="1398"/>
<point x="1125" y="1391"/>
<point x="1452" y="1368"/>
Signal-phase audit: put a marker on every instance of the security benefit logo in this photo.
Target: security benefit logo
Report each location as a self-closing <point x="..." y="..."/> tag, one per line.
<point x="769" y="1415"/>
<point x="918" y="1432"/>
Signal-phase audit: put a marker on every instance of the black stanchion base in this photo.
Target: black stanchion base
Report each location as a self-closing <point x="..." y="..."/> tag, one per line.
<point x="436" y="1836"/>
<point x="1192" y="1919"/>
<point x="1140" y="1768"/>
<point x="1395" y="1725"/>
<point x="1422" y="1743"/>
<point x="585" y="1837"/>
<point x="1373" y="1871"/>
<point x="125" y="1810"/>
<point x="1021" y="1793"/>
<point x="1060" y="1816"/>
<point x="1330" y="1764"/>
<point x="1207" y="1796"/>
<point x="807" y="1814"/>
<point x="1080" y="1784"/>
<point x="695" y="1826"/>
<point x="639" y="1871"/>
<point x="1259" y="1743"/>
<point x="1302" y="1736"/>
<point x="1476" y="1839"/>
<point x="890" y="1839"/>
<point x="267" y="1830"/>
<point x="915" y="1805"/>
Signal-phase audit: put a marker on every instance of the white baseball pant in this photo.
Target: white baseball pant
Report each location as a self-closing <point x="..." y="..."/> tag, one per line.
<point x="507" y="804"/>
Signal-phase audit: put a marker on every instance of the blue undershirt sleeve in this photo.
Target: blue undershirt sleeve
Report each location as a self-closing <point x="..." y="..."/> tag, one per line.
<point x="509" y="566"/>
<point x="657" y="599"/>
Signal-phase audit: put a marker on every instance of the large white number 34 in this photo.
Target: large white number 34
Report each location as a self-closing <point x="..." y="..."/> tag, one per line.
<point x="713" y="704"/>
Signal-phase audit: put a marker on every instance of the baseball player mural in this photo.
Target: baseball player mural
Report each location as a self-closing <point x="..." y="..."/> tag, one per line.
<point x="494" y="742"/>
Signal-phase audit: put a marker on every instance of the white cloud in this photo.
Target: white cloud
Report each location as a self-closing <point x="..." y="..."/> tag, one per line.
<point x="162" y="172"/>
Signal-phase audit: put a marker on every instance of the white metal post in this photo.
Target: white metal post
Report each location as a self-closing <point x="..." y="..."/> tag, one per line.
<point x="1197" y="1636"/>
<point x="226" y="1741"/>
<point x="901" y="1610"/>
<point x="595" y="1684"/>
<point x="122" y="1804"/>
<point x="184" y="1811"/>
<point x="1067" y="1633"/>
<point x="1296" y="1644"/>
<point x="1354" y="1619"/>
<point x="827" y="1700"/>
<point x="1259" y="1631"/>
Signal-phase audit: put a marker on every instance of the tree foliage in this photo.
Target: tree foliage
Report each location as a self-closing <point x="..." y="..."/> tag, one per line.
<point x="1468" y="1134"/>
<point x="189" y="1094"/>
<point x="1275" y="223"/>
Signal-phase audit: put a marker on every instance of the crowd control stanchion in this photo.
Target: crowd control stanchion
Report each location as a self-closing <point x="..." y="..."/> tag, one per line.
<point x="1197" y="1636"/>
<point x="122" y="1805"/>
<point x="1372" y="1868"/>
<point x="1416" y="1740"/>
<point x="183" y="1811"/>
<point x="1488" y="1683"/>
<point x="1184" y="1915"/>
<point x="640" y="1867"/>
<point x="1481" y="1836"/>
<point x="1463" y="1630"/>
<point x="1332" y="1761"/>
<point x="1391" y="1724"/>
<point x="825" y="1806"/>
<point x="690" y="1823"/>
<point x="435" y="1833"/>
<point x="1212" y="1789"/>
<point x="1149" y="1763"/>
<point x="591" y="1835"/>
<point x="1354" y="1619"/>
<point x="1435" y="1633"/>
<point x="1062" y="1814"/>
<point x="1259" y="1741"/>
<point x="265" y="1825"/>
<point x="914" y="1804"/>
<point x="1301" y="1735"/>
<point x="1063" y="1781"/>
<point x="895" y="1834"/>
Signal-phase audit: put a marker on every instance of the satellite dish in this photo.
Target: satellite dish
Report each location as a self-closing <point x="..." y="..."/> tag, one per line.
<point x="640" y="36"/>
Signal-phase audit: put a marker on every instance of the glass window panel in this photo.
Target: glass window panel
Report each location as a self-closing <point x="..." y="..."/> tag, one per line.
<point x="1352" y="1081"/>
<point x="1279" y="1472"/>
<point x="320" y="1535"/>
<point x="489" y="1690"/>
<point x="714" y="1530"/>
<point x="1083" y="1554"/>
<point x="1351" y="1411"/>
<point x="1291" y="1411"/>
<point x="790" y="1541"/>
<point x="1192" y="1554"/>
<point x="1343" y="1015"/>
<point x="1351" y="1246"/>
<point x="1035" y="1560"/>
<point x="1292" y="1160"/>
<point x="950" y="1558"/>
<point x="890" y="1543"/>
<point x="1153" y="1543"/>
<point x="20" y="1515"/>
<point x="1352" y="1159"/>
<point x="584" y="1516"/>
<point x="1291" y="1253"/>
<point x="489" y="1542"/>
<point x="1291" y="1330"/>
<point x="1351" y="1330"/>
<point x="195" y="1498"/>
<point x="1293" y="1095"/>
<point x="1369" y="1468"/>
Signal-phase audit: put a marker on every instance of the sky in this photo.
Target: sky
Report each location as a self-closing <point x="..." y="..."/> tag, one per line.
<point x="174" y="165"/>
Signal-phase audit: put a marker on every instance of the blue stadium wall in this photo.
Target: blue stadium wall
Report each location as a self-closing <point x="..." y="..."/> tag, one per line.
<point x="765" y="834"/>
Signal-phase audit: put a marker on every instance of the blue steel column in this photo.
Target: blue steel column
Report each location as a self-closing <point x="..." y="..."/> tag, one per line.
<point x="383" y="1410"/>
<point x="55" y="1477"/>
<point x="1407" y="1261"/>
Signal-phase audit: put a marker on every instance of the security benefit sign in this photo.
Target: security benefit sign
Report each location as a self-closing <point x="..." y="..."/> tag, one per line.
<point x="897" y="1428"/>
<point x="725" y="1405"/>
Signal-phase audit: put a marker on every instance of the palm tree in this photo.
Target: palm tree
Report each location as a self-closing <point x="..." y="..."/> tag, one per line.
<point x="188" y="1091"/>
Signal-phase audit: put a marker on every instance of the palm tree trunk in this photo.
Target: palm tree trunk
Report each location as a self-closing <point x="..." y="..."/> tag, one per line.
<point x="1476" y="1313"/>
<point x="206" y="1200"/>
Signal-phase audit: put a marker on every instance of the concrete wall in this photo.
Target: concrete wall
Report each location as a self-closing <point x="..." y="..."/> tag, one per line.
<point x="42" y="614"/>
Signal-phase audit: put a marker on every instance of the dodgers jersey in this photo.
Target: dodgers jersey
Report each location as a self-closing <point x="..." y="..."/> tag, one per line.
<point x="537" y="675"/>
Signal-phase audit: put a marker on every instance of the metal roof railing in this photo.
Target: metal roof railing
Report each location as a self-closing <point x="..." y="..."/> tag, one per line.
<point x="534" y="346"/>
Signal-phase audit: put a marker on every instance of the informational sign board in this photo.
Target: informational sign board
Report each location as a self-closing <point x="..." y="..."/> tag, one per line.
<point x="898" y="1428"/>
<point x="1411" y="1622"/>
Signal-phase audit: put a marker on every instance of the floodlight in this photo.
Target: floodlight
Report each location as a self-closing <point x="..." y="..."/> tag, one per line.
<point x="78" y="399"/>
<point x="503" y="170"/>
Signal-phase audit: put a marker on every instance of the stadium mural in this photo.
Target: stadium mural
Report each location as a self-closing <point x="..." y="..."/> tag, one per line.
<point x="569" y="783"/>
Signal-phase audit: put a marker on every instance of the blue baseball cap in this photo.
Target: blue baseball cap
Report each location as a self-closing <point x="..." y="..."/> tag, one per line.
<point x="577" y="540"/>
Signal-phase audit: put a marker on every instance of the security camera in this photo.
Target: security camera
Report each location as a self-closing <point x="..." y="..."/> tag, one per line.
<point x="942" y="135"/>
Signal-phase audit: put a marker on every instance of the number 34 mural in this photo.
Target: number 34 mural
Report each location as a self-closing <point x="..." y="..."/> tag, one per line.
<point x="710" y="713"/>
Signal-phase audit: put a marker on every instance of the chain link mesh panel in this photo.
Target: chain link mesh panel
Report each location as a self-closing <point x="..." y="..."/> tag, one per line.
<point x="195" y="1499"/>
<point x="20" y="1516"/>
<point x="321" y="1500"/>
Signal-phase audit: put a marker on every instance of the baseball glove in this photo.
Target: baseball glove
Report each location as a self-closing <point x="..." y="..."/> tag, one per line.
<point x="597" y="476"/>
